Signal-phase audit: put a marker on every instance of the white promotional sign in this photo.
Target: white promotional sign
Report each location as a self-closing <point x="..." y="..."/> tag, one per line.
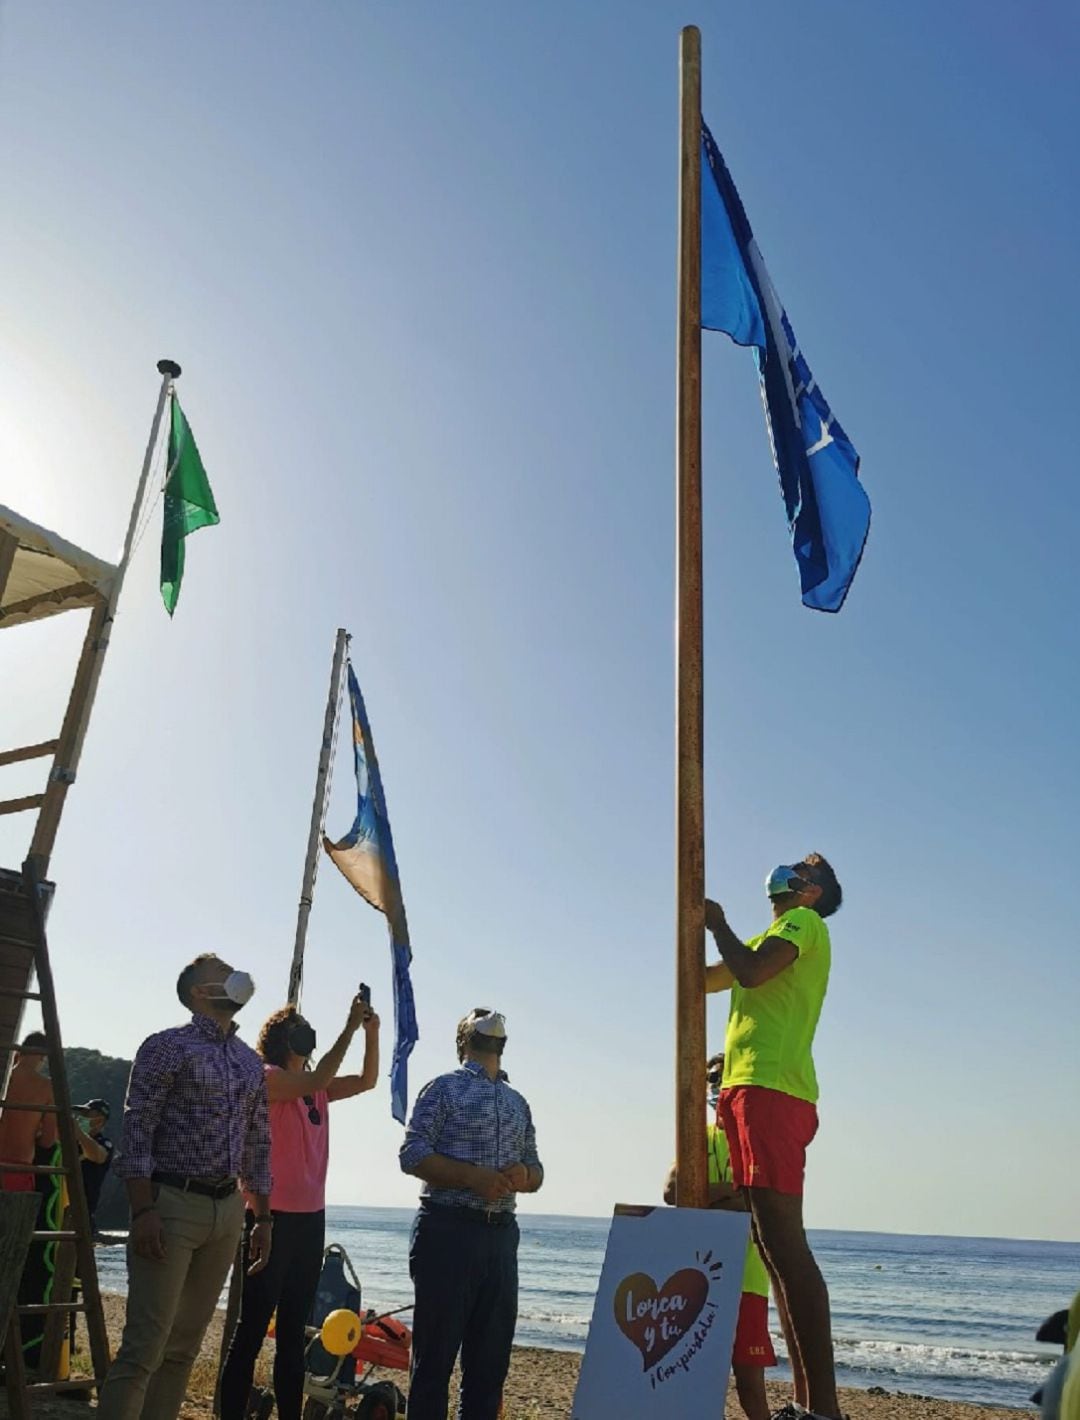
<point x="664" y="1317"/>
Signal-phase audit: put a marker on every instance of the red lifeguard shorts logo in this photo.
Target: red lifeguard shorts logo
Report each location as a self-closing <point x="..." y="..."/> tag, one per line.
<point x="768" y="1134"/>
<point x="753" y="1344"/>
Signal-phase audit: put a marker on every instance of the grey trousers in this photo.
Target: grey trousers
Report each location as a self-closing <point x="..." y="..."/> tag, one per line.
<point x="170" y="1304"/>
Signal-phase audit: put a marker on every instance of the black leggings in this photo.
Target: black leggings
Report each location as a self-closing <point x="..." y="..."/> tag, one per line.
<point x="287" y="1283"/>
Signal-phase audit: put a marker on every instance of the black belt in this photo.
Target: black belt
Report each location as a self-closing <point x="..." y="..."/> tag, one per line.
<point x="206" y="1187"/>
<point x="484" y="1217"/>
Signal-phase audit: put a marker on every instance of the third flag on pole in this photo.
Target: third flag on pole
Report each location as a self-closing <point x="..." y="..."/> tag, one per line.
<point x="366" y="858"/>
<point x="827" y="507"/>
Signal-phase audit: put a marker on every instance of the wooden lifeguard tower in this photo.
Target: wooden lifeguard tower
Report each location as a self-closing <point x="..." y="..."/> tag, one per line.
<point x="42" y="575"/>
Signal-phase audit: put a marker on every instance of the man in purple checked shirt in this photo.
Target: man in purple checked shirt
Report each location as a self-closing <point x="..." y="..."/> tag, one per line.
<point x="196" y="1131"/>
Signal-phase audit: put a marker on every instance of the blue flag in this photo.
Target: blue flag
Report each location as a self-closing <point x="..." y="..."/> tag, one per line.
<point x="366" y="857"/>
<point x="827" y="507"/>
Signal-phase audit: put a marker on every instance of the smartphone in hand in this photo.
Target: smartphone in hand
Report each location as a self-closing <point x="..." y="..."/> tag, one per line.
<point x="365" y="993"/>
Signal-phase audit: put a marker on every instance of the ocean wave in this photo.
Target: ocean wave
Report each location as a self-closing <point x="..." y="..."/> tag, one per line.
<point x="913" y="1358"/>
<point x="581" y="1297"/>
<point x="551" y="1318"/>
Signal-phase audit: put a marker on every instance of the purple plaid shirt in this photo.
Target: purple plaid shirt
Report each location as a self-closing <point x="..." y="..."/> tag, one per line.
<point x="196" y="1105"/>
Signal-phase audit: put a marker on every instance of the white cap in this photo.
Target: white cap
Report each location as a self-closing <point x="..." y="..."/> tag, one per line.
<point x="493" y="1025"/>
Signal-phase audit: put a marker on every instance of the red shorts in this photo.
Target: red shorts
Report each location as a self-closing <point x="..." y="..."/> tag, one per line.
<point x="767" y="1133"/>
<point x="17" y="1183"/>
<point x="753" y="1344"/>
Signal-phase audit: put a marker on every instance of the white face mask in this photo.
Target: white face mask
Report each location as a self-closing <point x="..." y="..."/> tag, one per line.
<point x="236" y="990"/>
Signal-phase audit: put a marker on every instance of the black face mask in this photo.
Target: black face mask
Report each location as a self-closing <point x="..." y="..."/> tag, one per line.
<point x="302" y="1039"/>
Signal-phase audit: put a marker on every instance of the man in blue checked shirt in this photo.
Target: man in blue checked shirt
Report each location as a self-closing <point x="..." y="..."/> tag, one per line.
<point x="471" y="1139"/>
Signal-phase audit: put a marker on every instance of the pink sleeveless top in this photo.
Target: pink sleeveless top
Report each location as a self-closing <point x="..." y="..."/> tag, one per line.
<point x="299" y="1152"/>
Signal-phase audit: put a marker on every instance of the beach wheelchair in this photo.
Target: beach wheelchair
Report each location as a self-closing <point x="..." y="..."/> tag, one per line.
<point x="337" y="1381"/>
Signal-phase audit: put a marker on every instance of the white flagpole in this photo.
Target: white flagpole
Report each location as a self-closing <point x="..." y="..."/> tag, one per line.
<point x="318" y="816"/>
<point x="84" y="689"/>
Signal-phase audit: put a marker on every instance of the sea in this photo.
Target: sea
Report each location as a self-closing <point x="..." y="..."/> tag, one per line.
<point x="953" y="1318"/>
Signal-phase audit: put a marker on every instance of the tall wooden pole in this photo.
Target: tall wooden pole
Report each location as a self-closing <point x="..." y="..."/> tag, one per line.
<point x="318" y="807"/>
<point x="84" y="688"/>
<point x="296" y="970"/>
<point x="690" y="1152"/>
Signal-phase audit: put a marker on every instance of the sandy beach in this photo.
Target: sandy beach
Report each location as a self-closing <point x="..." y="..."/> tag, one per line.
<point x="541" y="1384"/>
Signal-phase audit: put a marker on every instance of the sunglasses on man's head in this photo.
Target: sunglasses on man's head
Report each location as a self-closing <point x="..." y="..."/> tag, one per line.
<point x="312" y="1112"/>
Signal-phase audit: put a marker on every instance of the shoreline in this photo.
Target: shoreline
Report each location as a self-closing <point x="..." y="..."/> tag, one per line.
<point x="540" y="1385"/>
<point x="885" y="1304"/>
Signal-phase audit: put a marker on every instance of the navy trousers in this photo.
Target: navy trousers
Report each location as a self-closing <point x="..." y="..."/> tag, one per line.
<point x="464" y="1271"/>
<point x="286" y="1285"/>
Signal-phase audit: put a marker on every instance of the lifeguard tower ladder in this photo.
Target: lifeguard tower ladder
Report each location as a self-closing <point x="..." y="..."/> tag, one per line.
<point x="41" y="575"/>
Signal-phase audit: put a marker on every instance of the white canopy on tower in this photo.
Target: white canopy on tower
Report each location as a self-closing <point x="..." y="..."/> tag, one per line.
<point x="47" y="574"/>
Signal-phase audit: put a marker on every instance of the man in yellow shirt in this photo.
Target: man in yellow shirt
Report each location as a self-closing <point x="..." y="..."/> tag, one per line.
<point x="768" y="1103"/>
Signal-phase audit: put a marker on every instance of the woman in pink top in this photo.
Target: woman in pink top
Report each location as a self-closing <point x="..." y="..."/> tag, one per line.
<point x="299" y="1149"/>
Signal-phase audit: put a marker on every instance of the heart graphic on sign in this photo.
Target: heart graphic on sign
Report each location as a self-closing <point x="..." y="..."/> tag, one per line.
<point x="655" y="1321"/>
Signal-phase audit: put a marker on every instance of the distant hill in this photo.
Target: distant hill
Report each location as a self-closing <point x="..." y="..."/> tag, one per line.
<point x="92" y="1075"/>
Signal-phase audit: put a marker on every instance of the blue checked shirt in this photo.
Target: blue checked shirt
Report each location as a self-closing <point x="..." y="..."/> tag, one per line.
<point x="468" y="1117"/>
<point x="196" y="1105"/>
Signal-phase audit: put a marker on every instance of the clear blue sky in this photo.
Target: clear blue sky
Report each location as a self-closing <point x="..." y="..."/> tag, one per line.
<point x="417" y="261"/>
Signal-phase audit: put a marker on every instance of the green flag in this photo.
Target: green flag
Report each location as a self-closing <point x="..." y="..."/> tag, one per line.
<point x="189" y="504"/>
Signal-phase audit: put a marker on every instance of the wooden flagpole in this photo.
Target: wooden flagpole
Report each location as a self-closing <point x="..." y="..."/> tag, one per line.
<point x="318" y="810"/>
<point x="690" y="1153"/>
<point x="296" y="970"/>
<point x="84" y="688"/>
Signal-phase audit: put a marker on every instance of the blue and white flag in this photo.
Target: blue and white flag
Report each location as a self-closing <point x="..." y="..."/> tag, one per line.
<point x="366" y="857"/>
<point x="827" y="507"/>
